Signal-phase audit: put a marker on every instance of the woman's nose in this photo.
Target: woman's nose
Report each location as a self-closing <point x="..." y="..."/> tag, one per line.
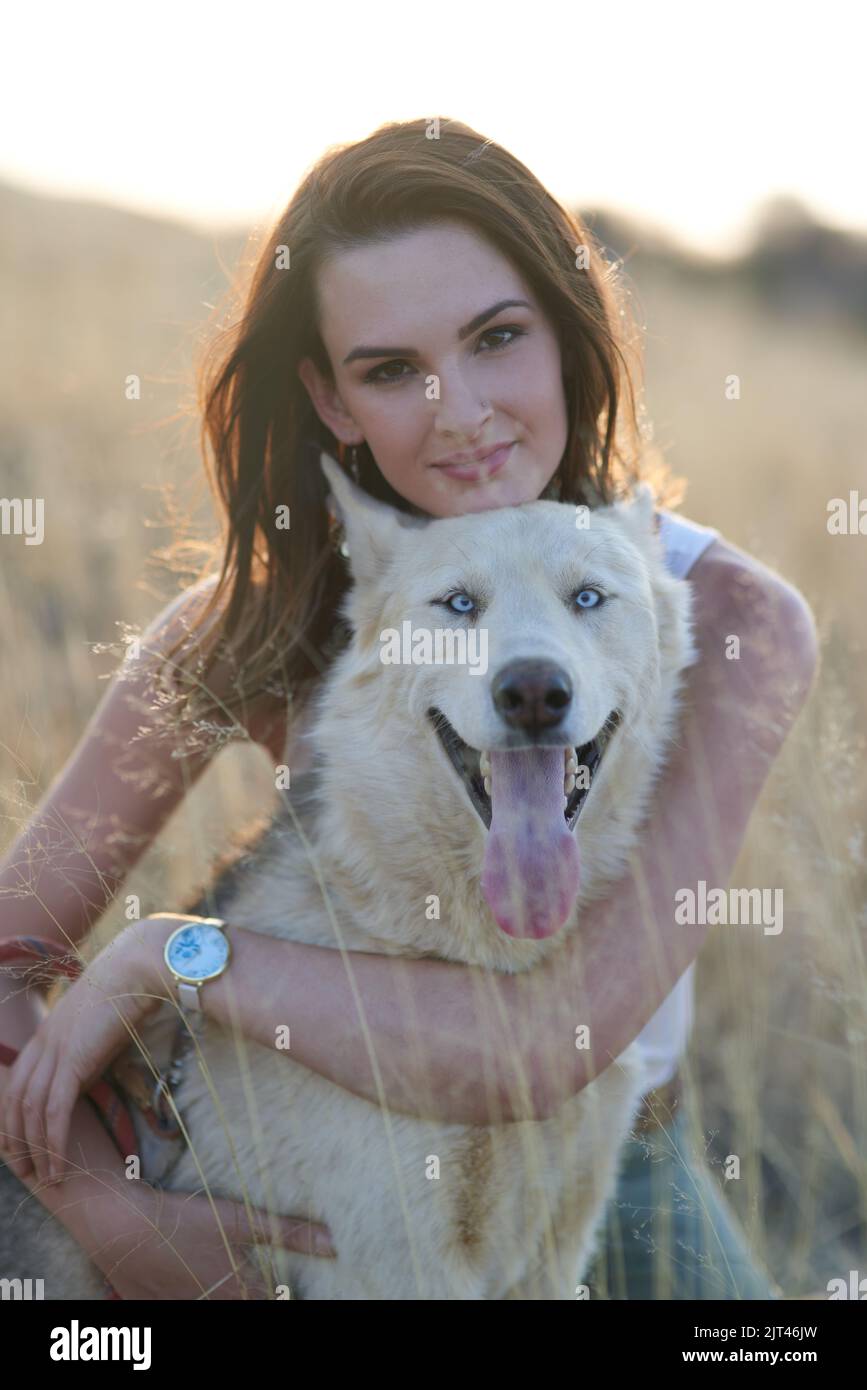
<point x="460" y="411"/>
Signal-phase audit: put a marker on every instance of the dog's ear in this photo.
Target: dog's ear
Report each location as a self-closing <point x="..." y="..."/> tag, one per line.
<point x="643" y="506"/>
<point x="372" y="527"/>
<point x="639" y="509"/>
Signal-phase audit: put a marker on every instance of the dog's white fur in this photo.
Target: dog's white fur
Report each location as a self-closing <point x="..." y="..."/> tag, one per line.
<point x="418" y="1208"/>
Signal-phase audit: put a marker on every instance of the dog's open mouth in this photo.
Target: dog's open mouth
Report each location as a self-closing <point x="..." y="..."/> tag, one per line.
<point x="472" y="765"/>
<point x="530" y="800"/>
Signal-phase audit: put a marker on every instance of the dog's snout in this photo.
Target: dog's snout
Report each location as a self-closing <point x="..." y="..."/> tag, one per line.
<point x="532" y="694"/>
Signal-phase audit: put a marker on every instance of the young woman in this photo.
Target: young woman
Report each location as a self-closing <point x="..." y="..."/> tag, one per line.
<point x="425" y="303"/>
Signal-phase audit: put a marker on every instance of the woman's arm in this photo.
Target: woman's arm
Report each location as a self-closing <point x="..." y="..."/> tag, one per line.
<point x="56" y="879"/>
<point x="737" y="717"/>
<point x="471" y="1046"/>
<point x="102" y="811"/>
<point x="106" y="805"/>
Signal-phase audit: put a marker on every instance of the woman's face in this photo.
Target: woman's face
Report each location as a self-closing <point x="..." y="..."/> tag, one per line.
<point x="432" y="366"/>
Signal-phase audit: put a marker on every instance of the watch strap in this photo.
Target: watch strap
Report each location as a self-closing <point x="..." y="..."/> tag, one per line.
<point x="189" y="996"/>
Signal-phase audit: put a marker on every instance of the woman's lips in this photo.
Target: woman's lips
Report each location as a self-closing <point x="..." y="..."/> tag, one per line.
<point x="474" y="472"/>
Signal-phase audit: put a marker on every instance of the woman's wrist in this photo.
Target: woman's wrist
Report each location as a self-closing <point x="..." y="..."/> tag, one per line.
<point x="147" y="939"/>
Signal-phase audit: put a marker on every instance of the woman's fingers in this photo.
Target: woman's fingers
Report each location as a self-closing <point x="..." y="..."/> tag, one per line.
<point x="58" y="1114"/>
<point x="289" y="1232"/>
<point x="36" y="1111"/>
<point x="33" y="1105"/>
<point x="239" y="1271"/>
<point x="14" y="1112"/>
<point x="42" y="1084"/>
<point x="310" y="1237"/>
<point x="14" y="1153"/>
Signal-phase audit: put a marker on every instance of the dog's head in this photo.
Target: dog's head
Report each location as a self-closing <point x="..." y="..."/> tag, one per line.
<point x="521" y="644"/>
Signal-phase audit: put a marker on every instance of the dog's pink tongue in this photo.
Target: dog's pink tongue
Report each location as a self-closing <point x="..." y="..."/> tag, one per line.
<point x="531" y="872"/>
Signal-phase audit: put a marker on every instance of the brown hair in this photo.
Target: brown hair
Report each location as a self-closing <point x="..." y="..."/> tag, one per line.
<point x="278" y="590"/>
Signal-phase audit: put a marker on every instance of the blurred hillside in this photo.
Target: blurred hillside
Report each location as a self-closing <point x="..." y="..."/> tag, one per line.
<point x="795" y="266"/>
<point x="91" y="294"/>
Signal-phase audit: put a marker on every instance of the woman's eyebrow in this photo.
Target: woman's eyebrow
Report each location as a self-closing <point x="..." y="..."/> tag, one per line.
<point x="464" y="332"/>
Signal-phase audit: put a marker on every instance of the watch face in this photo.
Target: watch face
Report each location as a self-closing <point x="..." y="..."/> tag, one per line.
<point x="197" y="951"/>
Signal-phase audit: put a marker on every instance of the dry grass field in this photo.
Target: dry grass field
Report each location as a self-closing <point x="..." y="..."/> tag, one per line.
<point x="779" y="1050"/>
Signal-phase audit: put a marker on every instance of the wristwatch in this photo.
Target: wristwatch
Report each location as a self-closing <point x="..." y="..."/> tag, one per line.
<point x="196" y="952"/>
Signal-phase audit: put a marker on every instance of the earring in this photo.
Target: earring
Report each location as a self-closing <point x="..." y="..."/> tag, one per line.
<point x="337" y="536"/>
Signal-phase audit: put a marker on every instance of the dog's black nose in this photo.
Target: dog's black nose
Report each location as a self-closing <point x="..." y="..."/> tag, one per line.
<point x="532" y="695"/>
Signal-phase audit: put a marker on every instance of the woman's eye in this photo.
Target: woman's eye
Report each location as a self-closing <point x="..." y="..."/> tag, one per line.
<point x="378" y="376"/>
<point x="589" y="598"/>
<point x="460" y="603"/>
<point x="511" y="328"/>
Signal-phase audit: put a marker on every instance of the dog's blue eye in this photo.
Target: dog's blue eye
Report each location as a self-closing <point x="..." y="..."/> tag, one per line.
<point x="589" y="598"/>
<point x="462" y="599"/>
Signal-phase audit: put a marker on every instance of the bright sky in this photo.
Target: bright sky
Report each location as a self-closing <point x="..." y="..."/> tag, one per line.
<point x="687" y="114"/>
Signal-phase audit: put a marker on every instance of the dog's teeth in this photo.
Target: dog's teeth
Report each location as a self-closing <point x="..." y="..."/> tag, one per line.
<point x="488" y="785"/>
<point x="569" y="784"/>
<point x="485" y="764"/>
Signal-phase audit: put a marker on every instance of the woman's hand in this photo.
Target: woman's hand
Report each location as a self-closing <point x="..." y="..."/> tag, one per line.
<point x="155" y="1244"/>
<point x="186" y="1256"/>
<point x="74" y="1043"/>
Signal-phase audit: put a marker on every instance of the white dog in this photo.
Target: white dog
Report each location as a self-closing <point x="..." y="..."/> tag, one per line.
<point x="461" y="808"/>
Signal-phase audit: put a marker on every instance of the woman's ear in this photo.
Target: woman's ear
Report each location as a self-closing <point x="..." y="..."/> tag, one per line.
<point x="326" y="402"/>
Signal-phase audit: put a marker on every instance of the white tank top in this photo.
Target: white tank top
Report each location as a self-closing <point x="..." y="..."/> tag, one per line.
<point x="664" y="1037"/>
